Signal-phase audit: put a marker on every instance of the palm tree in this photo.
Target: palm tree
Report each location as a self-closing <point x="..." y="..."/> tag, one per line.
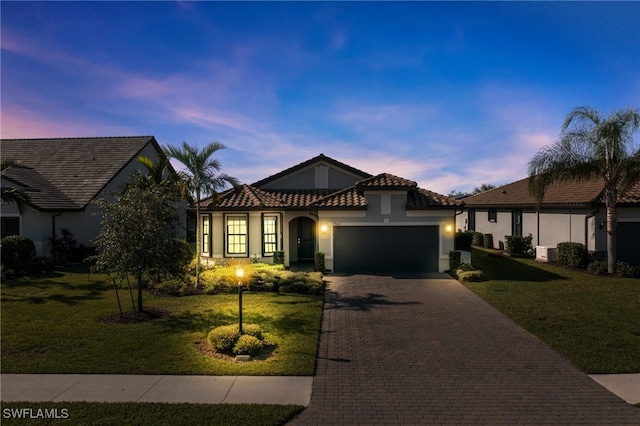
<point x="159" y="172"/>
<point x="592" y="147"/>
<point x="13" y="195"/>
<point x="204" y="178"/>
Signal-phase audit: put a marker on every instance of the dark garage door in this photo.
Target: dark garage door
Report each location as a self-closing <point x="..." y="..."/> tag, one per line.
<point x="628" y="235"/>
<point x="385" y="249"/>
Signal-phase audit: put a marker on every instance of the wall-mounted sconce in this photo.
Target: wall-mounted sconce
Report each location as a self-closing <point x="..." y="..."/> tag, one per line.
<point x="601" y="224"/>
<point x="323" y="229"/>
<point x="448" y="228"/>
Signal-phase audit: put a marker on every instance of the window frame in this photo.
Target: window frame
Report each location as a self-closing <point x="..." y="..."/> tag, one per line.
<point x="471" y="220"/>
<point x="227" y="235"/>
<point x="205" y="242"/>
<point x="277" y="243"/>
<point x="5" y="218"/>
<point x="492" y="215"/>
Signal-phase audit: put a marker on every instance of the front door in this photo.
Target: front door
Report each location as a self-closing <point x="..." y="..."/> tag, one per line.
<point x="306" y="238"/>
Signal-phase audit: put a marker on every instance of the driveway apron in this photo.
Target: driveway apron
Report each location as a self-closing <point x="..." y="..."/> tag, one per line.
<point x="429" y="351"/>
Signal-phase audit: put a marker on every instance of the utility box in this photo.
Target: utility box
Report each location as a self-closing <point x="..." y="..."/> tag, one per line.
<point x="465" y="257"/>
<point x="546" y="254"/>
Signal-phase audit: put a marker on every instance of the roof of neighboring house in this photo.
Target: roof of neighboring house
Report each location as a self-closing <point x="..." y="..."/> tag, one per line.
<point x="68" y="173"/>
<point x="308" y="163"/>
<point x="572" y="193"/>
<point x="252" y="197"/>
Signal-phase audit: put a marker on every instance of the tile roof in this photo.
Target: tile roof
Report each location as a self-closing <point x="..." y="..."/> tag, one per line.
<point x="572" y="193"/>
<point x="422" y="198"/>
<point x="307" y="163"/>
<point x="386" y="181"/>
<point x="77" y="168"/>
<point x="349" y="198"/>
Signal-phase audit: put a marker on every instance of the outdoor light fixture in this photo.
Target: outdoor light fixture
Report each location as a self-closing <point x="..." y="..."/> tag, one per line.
<point x="323" y="229"/>
<point x="601" y="225"/>
<point x="239" y="274"/>
<point x="448" y="229"/>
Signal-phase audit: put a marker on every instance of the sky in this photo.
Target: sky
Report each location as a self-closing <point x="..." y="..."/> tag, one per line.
<point x="448" y="94"/>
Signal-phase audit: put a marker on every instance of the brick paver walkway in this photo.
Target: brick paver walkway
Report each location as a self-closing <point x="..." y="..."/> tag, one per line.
<point x="428" y="351"/>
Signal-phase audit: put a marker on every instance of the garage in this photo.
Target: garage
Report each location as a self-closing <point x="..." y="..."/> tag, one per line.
<point x="385" y="249"/>
<point x="627" y="242"/>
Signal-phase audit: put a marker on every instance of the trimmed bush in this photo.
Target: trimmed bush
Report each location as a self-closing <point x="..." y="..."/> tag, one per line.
<point x="573" y="255"/>
<point x="463" y="240"/>
<point x="247" y="345"/>
<point x="467" y="273"/>
<point x="627" y="270"/>
<point x="319" y="262"/>
<point x="454" y="260"/>
<point x="278" y="257"/>
<point x="518" y="246"/>
<point x="224" y="338"/>
<point x="17" y="250"/>
<point x="487" y="240"/>
<point x="178" y="256"/>
<point x="599" y="267"/>
<point x="478" y="239"/>
<point x="252" y="330"/>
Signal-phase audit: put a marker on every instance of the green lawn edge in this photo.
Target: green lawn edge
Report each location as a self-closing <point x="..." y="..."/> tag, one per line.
<point x="594" y="321"/>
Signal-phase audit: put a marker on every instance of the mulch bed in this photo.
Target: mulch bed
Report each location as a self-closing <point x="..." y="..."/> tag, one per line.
<point x="134" y="317"/>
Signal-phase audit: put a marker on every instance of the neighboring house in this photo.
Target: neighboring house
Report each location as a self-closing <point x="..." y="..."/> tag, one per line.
<point x="362" y="223"/>
<point x="63" y="177"/>
<point x="570" y="212"/>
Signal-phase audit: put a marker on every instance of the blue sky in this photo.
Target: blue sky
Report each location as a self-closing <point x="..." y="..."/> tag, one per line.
<point x="449" y="94"/>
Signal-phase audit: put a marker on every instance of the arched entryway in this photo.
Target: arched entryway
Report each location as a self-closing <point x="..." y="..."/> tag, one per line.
<point x="303" y="239"/>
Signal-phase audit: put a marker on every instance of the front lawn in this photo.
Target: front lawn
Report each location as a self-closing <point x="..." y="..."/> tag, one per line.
<point x="53" y="323"/>
<point x="594" y="321"/>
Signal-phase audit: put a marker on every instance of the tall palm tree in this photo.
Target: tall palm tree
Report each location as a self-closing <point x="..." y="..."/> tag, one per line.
<point x="12" y="195"/>
<point x="592" y="147"/>
<point x="204" y="178"/>
<point x="159" y="172"/>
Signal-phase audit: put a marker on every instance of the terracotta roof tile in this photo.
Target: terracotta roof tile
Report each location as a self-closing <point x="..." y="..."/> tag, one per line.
<point x="559" y="194"/>
<point x="346" y="198"/>
<point x="385" y="181"/>
<point x="423" y="198"/>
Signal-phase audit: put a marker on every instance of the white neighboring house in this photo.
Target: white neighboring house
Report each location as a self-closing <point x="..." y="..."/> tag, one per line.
<point x="570" y="212"/>
<point x="362" y="223"/>
<point x="63" y="177"/>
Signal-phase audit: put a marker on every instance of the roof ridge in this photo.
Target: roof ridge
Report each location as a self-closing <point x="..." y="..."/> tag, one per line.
<point x="76" y="138"/>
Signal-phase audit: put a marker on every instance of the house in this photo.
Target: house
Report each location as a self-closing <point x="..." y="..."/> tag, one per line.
<point x="362" y="223"/>
<point x="570" y="212"/>
<point x="63" y="177"/>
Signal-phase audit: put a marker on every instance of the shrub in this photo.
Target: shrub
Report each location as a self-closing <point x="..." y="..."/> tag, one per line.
<point x="487" y="240"/>
<point x="319" y="262"/>
<point x="278" y="257"/>
<point x="463" y="240"/>
<point x="467" y="273"/>
<point x="471" y="276"/>
<point x="627" y="270"/>
<point x="17" y="250"/>
<point x="177" y="256"/>
<point x="252" y="330"/>
<point x="599" y="267"/>
<point x="573" y="255"/>
<point x="247" y="345"/>
<point x="454" y="260"/>
<point x="478" y="239"/>
<point x="518" y="246"/>
<point x="224" y="338"/>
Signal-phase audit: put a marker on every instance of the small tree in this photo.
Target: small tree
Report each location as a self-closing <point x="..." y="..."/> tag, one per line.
<point x="136" y="230"/>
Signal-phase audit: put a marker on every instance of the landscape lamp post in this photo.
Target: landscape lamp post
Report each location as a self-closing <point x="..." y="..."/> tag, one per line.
<point x="239" y="274"/>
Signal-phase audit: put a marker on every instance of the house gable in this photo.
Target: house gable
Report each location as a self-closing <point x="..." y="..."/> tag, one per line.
<point x="320" y="172"/>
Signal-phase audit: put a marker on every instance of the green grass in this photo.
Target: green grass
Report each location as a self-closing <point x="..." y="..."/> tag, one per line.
<point x="151" y="414"/>
<point x="52" y="324"/>
<point x="594" y="321"/>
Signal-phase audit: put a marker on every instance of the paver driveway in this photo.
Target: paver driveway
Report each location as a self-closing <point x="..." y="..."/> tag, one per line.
<point x="429" y="351"/>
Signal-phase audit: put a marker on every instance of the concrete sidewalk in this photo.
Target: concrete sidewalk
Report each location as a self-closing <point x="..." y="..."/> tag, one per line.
<point x="282" y="390"/>
<point x="626" y="386"/>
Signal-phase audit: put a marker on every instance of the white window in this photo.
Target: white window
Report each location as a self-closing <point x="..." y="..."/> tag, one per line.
<point x="269" y="234"/>
<point x="206" y="234"/>
<point x="237" y="235"/>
